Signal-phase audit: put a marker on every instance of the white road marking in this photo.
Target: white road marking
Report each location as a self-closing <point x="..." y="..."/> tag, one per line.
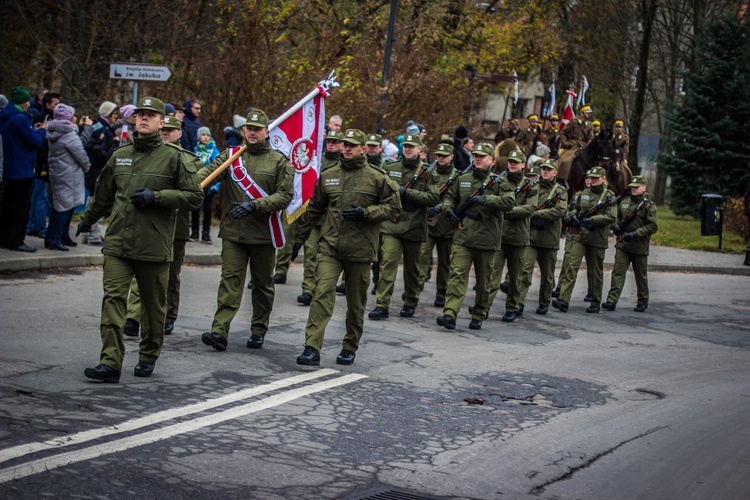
<point x="46" y="464"/>
<point x="162" y="416"/>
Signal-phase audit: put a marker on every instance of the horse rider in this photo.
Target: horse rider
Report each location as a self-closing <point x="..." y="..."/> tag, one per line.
<point x="620" y="143"/>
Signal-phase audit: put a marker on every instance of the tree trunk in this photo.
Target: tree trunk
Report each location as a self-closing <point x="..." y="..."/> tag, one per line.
<point x="648" y="8"/>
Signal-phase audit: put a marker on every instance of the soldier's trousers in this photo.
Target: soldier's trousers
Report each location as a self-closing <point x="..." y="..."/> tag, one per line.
<point x="458" y="282"/>
<point x="357" y="276"/>
<point x="284" y="255"/>
<point x="640" y="272"/>
<point x="234" y="260"/>
<point x="594" y="270"/>
<point x="546" y="258"/>
<point x="443" y="259"/>
<point x="311" y="261"/>
<point x="376" y="265"/>
<point x="514" y="256"/>
<point x="152" y="280"/>
<point x="173" y="287"/>
<point x="393" y="249"/>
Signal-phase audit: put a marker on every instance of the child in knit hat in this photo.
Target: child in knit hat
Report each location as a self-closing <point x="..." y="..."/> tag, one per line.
<point x="207" y="151"/>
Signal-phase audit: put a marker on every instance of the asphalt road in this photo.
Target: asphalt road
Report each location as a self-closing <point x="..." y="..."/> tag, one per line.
<point x="614" y="405"/>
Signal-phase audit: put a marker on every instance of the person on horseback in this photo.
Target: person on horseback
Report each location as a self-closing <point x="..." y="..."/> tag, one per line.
<point x="512" y="130"/>
<point x="553" y="132"/>
<point x="526" y="138"/>
<point x="620" y="143"/>
<point x="576" y="134"/>
<point x="597" y="127"/>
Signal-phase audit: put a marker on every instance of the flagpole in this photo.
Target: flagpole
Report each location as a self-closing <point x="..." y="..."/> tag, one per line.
<point x="323" y="87"/>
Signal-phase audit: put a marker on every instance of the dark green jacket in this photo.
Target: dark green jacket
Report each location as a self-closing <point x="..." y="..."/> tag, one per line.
<point x="487" y="232"/>
<point x="269" y="169"/>
<point x="516" y="226"/>
<point x="412" y="223"/>
<point x="551" y="218"/>
<point x="644" y="225"/>
<point x="347" y="183"/>
<point x="599" y="237"/>
<point x="441" y="225"/>
<point x="146" y="234"/>
<point x="329" y="159"/>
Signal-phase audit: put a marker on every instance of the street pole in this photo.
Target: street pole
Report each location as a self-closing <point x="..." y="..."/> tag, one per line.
<point x="387" y="65"/>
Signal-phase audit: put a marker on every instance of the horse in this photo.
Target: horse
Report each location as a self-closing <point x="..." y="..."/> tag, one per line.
<point x="597" y="152"/>
<point x="502" y="150"/>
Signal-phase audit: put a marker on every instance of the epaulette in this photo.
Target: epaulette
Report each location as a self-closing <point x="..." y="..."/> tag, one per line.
<point x="122" y="146"/>
<point x="376" y="167"/>
<point x="391" y="160"/>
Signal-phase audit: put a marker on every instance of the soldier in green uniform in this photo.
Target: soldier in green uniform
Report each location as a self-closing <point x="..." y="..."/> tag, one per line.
<point x="245" y="229"/>
<point x="515" y="238"/>
<point x="633" y="241"/>
<point x="571" y="236"/>
<point x="620" y="143"/>
<point x="375" y="150"/>
<point x="171" y="132"/>
<point x="592" y="243"/>
<point x="332" y="155"/>
<point x="405" y="237"/>
<point x="141" y="186"/>
<point x="526" y="138"/>
<point x="576" y="134"/>
<point x="440" y="228"/>
<point x="479" y="237"/>
<point x="355" y="197"/>
<point x="544" y="241"/>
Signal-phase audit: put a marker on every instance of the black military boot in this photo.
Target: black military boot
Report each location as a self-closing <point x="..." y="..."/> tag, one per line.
<point x="310" y="357"/>
<point x="132" y="328"/>
<point x="206" y="238"/>
<point x="378" y="313"/>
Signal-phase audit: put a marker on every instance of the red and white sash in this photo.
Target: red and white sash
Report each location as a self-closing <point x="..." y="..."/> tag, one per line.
<point x="254" y="191"/>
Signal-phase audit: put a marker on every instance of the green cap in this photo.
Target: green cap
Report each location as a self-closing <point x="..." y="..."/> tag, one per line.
<point x="444" y="149"/>
<point x="257" y="118"/>
<point x="412" y="140"/>
<point x="637" y="181"/>
<point x="374" y="140"/>
<point x="516" y="156"/>
<point x="19" y="95"/>
<point x="484" y="149"/>
<point x="172" y="122"/>
<point x="533" y="170"/>
<point x="549" y="163"/>
<point x="354" y="136"/>
<point x="151" y="104"/>
<point x="596" y="172"/>
<point x="334" y="135"/>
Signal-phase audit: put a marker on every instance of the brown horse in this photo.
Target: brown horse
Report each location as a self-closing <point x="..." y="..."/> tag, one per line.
<point x="598" y="152"/>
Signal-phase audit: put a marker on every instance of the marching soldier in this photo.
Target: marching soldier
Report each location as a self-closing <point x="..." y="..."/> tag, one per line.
<point x="544" y="240"/>
<point x="592" y="243"/>
<point x="572" y="235"/>
<point x="332" y="155"/>
<point x="142" y="185"/>
<point x="526" y="139"/>
<point x="171" y="132"/>
<point x="375" y="150"/>
<point x="405" y="236"/>
<point x="355" y="198"/>
<point x="479" y="237"/>
<point x="620" y="143"/>
<point x="636" y="222"/>
<point x="440" y="228"/>
<point x="515" y="237"/>
<point x="257" y="185"/>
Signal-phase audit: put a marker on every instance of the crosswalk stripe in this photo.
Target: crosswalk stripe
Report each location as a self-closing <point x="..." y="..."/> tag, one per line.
<point x="162" y="416"/>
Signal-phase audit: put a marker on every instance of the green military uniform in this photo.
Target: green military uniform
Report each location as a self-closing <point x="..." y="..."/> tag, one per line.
<point x="592" y="243"/>
<point x="405" y="237"/>
<point x="248" y="239"/>
<point x="440" y="232"/>
<point x="620" y="143"/>
<point x="181" y="237"/>
<point x="284" y="255"/>
<point x="515" y="239"/>
<point x="544" y="240"/>
<point x="329" y="159"/>
<point x="634" y="251"/>
<point x="346" y="245"/>
<point x="139" y="242"/>
<point x="478" y="239"/>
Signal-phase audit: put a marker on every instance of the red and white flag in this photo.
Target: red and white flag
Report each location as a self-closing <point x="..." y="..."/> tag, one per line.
<point x="300" y="138"/>
<point x="568" y="113"/>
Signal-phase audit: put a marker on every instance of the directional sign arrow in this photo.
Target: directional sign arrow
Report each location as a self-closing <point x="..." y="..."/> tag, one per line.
<point x="139" y="72"/>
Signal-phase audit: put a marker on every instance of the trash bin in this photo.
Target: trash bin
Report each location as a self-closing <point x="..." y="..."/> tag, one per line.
<point x="711" y="215"/>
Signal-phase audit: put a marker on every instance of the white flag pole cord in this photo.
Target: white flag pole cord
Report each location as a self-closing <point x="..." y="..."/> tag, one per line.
<point x="323" y="86"/>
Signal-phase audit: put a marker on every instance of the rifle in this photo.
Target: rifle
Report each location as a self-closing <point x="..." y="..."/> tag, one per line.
<point x="488" y="183"/>
<point x="527" y="184"/>
<point x="447" y="184"/>
<point x="574" y="228"/>
<point x="551" y="200"/>
<point x="631" y="217"/>
<point x="421" y="175"/>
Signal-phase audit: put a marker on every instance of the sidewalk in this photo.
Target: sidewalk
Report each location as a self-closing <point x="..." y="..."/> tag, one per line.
<point x="201" y="254"/>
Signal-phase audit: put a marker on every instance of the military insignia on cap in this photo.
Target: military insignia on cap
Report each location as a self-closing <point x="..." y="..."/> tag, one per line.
<point x="373" y="138"/>
<point x="147" y="102"/>
<point x="350" y="133"/>
<point x="254" y="117"/>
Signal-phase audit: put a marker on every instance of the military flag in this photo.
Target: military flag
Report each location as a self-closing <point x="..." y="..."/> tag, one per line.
<point x="582" y="95"/>
<point x="568" y="113"/>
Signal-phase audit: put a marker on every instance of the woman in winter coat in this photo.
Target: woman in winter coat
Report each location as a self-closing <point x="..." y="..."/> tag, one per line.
<point x="68" y="162"/>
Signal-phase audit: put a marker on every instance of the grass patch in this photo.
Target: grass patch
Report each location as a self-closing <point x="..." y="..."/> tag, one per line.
<point x="682" y="231"/>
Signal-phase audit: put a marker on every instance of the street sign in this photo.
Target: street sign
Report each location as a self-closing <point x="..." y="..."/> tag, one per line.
<point x="139" y="72"/>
